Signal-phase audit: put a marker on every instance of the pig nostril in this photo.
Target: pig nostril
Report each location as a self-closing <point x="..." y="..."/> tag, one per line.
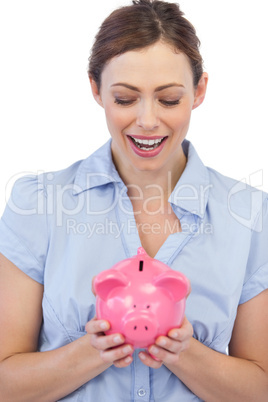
<point x="146" y="328"/>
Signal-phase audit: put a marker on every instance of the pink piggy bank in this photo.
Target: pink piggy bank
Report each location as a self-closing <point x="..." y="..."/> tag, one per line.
<point x="141" y="298"/>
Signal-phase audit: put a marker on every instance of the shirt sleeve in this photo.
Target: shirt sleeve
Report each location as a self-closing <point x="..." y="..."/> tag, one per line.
<point x="256" y="278"/>
<point x="23" y="227"/>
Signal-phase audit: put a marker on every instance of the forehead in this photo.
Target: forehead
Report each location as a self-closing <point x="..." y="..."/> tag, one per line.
<point x="154" y="65"/>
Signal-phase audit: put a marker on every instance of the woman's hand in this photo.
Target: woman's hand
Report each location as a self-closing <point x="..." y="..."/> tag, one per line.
<point x="112" y="348"/>
<point x="167" y="349"/>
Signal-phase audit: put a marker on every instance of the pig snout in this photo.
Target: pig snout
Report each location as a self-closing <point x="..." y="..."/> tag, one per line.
<point x="140" y="326"/>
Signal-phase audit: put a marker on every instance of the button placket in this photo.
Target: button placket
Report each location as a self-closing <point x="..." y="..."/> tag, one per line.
<point x="141" y="379"/>
<point x="141" y="392"/>
<point x="126" y="221"/>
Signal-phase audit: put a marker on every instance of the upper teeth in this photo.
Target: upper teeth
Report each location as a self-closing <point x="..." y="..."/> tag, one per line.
<point x="148" y="142"/>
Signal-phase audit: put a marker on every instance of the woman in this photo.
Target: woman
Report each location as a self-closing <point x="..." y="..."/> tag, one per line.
<point x="147" y="186"/>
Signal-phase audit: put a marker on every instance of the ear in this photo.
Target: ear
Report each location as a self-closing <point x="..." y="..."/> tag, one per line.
<point x="107" y="281"/>
<point x="95" y="91"/>
<point x="175" y="283"/>
<point x="200" y="91"/>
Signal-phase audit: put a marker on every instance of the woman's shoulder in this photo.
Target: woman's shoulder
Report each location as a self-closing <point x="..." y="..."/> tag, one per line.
<point x="29" y="190"/>
<point x="226" y="195"/>
<point x="66" y="176"/>
<point x="240" y="198"/>
<point x="29" y="187"/>
<point x="240" y="189"/>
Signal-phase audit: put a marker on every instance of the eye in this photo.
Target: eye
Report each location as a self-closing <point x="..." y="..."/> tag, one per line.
<point x="134" y="306"/>
<point x="169" y="103"/>
<point x="148" y="306"/>
<point x="124" y="102"/>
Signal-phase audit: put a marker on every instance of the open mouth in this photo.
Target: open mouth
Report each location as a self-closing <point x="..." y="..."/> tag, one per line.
<point x="147" y="145"/>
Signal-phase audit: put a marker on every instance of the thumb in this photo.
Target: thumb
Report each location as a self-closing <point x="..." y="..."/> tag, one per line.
<point x="92" y="285"/>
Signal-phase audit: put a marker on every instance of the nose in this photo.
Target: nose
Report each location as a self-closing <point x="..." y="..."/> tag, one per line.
<point x="148" y="118"/>
<point x="141" y="327"/>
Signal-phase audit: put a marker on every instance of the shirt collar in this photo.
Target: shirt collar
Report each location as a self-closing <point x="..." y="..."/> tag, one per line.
<point x="97" y="170"/>
<point x="190" y="193"/>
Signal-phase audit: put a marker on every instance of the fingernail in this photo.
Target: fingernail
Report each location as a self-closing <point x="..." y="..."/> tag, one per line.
<point x="142" y="357"/>
<point x="154" y="350"/>
<point x="117" y="339"/>
<point x="127" y="349"/>
<point x="175" y="335"/>
<point x="104" y="325"/>
<point x="162" y="342"/>
<point x="128" y="359"/>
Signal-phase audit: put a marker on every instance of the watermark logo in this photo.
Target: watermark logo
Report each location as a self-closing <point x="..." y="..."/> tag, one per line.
<point x="247" y="216"/>
<point x="68" y="201"/>
<point x="108" y="227"/>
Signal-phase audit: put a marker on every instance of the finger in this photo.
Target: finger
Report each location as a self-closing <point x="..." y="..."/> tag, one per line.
<point x="126" y="361"/>
<point x="170" y="345"/>
<point x="116" y="354"/>
<point x="92" y="285"/>
<point x="95" y="326"/>
<point x="189" y="290"/>
<point x="149" y="360"/>
<point x="183" y="333"/>
<point x="104" y="342"/>
<point x="165" y="356"/>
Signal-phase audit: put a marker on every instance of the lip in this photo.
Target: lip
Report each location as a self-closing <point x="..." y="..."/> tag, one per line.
<point x="143" y="137"/>
<point x="146" y="154"/>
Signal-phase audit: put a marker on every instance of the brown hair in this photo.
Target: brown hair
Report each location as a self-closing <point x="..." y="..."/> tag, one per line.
<point x="140" y="25"/>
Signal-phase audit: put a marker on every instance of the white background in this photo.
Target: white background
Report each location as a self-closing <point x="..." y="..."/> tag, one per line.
<point x="49" y="118"/>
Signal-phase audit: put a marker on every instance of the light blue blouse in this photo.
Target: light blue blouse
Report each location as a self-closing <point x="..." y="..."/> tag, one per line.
<point x="62" y="228"/>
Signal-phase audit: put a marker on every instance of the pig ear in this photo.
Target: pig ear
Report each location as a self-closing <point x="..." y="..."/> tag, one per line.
<point x="175" y="283"/>
<point x="107" y="281"/>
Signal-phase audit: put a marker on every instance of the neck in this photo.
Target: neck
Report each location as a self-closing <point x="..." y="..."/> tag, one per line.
<point x="152" y="183"/>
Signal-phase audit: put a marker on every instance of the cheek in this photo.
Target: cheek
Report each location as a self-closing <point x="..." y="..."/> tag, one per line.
<point x="179" y="120"/>
<point x="116" y="119"/>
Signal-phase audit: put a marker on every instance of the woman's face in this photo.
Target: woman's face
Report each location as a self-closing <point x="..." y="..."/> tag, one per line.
<point x="148" y="96"/>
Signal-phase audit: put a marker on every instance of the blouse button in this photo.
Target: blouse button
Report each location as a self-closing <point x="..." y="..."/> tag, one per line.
<point x="141" y="392"/>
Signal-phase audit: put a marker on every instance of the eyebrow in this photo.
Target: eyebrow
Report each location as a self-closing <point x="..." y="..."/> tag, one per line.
<point x="160" y="88"/>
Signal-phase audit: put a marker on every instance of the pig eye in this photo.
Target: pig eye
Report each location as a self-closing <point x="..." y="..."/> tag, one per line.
<point x="134" y="306"/>
<point x="148" y="306"/>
